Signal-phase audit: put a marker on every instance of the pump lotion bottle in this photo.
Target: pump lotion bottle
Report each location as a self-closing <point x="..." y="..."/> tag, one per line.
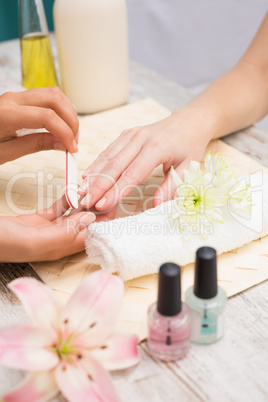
<point x="169" y="318"/>
<point x="206" y="300"/>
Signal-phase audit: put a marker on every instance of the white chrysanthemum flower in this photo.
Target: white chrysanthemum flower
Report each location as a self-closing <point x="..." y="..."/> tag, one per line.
<point x="201" y="197"/>
<point x="239" y="196"/>
<point x="222" y="176"/>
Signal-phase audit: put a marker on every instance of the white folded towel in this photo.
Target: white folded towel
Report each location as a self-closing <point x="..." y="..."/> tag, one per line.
<point x="137" y="245"/>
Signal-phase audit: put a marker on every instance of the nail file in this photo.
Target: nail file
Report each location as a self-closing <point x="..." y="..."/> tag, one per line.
<point x="27" y="131"/>
<point x="71" y="180"/>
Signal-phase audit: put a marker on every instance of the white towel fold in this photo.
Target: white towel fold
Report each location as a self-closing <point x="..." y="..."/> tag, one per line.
<point x="137" y="245"/>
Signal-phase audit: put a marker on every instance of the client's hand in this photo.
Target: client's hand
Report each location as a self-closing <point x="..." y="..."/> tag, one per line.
<point x="37" y="108"/>
<point x="132" y="157"/>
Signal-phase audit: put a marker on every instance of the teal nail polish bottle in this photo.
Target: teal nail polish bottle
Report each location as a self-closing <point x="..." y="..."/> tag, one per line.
<point x="206" y="299"/>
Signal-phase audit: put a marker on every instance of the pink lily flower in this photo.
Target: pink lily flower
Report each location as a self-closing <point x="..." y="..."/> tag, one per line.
<point x="68" y="348"/>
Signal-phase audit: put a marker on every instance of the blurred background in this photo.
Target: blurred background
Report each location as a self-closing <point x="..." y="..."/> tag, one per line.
<point x="189" y="41"/>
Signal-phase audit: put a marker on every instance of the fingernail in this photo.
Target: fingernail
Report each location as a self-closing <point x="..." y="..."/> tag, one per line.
<point x="84" y="186"/>
<point x="86" y="200"/>
<point x="59" y="146"/>
<point x="75" y="147"/>
<point x="89" y="217"/>
<point x="86" y="172"/>
<point x="101" y="202"/>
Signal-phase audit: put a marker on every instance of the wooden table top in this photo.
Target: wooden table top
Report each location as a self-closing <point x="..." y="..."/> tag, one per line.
<point x="234" y="369"/>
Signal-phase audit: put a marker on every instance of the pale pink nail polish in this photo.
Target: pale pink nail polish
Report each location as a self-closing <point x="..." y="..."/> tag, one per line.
<point x="86" y="172"/>
<point x="84" y="186"/>
<point x="86" y="200"/>
<point x="169" y="319"/>
<point x="88" y="218"/>
<point x="101" y="203"/>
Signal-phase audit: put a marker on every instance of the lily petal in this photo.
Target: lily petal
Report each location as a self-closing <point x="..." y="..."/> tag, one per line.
<point x="35" y="387"/>
<point x="85" y="381"/>
<point x="118" y="352"/>
<point x="91" y="312"/>
<point x="26" y="348"/>
<point x="38" y="301"/>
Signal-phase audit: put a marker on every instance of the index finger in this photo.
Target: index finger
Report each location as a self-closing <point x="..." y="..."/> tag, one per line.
<point x="136" y="172"/>
<point x="38" y="117"/>
<point x="50" y="98"/>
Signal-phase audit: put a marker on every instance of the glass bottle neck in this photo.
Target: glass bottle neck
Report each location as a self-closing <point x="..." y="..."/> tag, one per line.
<point x="32" y="18"/>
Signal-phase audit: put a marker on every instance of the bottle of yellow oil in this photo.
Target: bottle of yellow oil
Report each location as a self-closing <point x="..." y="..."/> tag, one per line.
<point x="37" y="63"/>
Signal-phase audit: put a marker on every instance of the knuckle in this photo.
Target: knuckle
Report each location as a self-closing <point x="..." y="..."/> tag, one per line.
<point x="48" y="115"/>
<point x="7" y="96"/>
<point x="105" y="155"/>
<point x="127" y="133"/>
<point x="56" y="93"/>
<point x="124" y="133"/>
<point x="142" y="134"/>
<point x="130" y="174"/>
<point x="114" y="163"/>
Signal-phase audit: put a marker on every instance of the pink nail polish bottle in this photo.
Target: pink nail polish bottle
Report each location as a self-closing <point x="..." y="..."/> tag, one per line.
<point x="169" y="318"/>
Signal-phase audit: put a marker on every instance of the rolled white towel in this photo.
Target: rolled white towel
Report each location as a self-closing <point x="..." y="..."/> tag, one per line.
<point x="137" y="245"/>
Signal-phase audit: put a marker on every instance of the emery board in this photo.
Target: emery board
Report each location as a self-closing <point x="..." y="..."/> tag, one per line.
<point x="71" y="177"/>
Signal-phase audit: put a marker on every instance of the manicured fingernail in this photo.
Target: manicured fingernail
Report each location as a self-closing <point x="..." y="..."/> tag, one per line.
<point x="101" y="202"/>
<point x="75" y="147"/>
<point x="86" y="172"/>
<point x="86" y="200"/>
<point x="59" y="146"/>
<point x="84" y="186"/>
<point x="89" y="217"/>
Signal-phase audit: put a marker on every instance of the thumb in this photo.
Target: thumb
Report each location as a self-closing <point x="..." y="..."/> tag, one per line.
<point x="17" y="147"/>
<point x="167" y="190"/>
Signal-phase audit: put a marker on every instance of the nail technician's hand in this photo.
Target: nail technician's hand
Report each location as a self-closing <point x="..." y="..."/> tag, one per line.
<point x="37" y="108"/>
<point x="132" y="157"/>
<point x="46" y="235"/>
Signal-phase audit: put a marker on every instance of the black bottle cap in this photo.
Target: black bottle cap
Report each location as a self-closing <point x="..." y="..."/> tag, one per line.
<point x="169" y="290"/>
<point x="205" y="281"/>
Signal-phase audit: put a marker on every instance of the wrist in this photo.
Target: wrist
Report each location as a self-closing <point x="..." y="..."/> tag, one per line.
<point x="203" y="121"/>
